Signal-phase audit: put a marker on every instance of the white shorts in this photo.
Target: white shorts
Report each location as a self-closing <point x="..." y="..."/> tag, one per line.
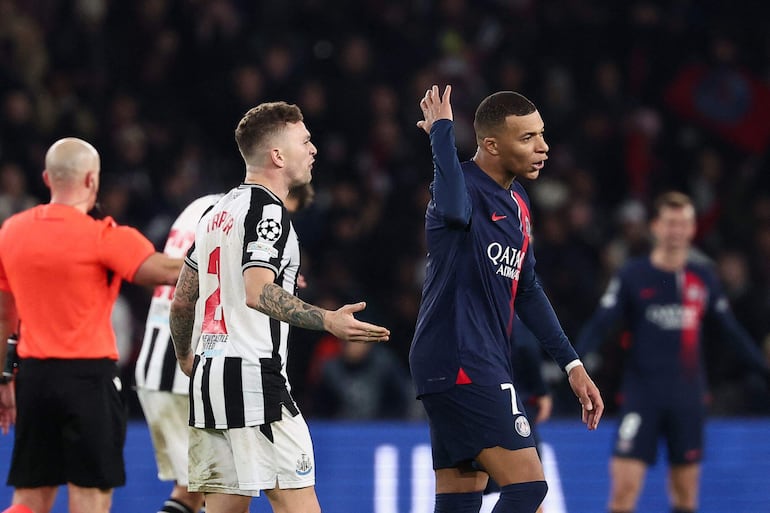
<point x="243" y="461"/>
<point x="167" y="417"/>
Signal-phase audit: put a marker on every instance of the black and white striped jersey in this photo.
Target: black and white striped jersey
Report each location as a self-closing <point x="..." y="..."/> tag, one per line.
<point x="156" y="367"/>
<point x="239" y="377"/>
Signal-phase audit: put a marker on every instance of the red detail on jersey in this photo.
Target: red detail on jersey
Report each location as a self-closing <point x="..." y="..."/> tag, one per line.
<point x="524" y="224"/>
<point x="213" y="317"/>
<point x="647" y="293"/>
<point x="626" y="341"/>
<point x="496" y="217"/>
<point x="693" y="303"/>
<point x="462" y="378"/>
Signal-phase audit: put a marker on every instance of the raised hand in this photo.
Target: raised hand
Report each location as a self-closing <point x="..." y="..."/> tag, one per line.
<point x="435" y="107"/>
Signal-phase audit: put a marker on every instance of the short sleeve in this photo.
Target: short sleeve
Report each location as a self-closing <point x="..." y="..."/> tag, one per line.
<point x="123" y="249"/>
<point x="266" y="232"/>
<point x="191" y="259"/>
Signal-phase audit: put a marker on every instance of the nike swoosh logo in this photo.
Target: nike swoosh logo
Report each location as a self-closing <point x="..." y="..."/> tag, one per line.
<point x="496" y="217"/>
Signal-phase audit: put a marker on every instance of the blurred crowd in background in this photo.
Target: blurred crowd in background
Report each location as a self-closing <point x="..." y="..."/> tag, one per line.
<point x="638" y="97"/>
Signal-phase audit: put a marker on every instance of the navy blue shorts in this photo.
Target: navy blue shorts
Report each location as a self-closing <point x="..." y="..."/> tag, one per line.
<point x="468" y="418"/>
<point x="645" y="419"/>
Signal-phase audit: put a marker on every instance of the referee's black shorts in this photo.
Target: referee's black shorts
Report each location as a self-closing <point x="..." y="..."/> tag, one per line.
<point x="70" y="424"/>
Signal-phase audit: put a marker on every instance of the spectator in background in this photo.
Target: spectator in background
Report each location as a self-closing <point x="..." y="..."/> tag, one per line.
<point x="185" y="72"/>
<point x="13" y="191"/>
<point x="363" y="382"/>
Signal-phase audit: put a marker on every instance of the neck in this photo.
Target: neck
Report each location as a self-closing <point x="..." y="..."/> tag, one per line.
<point x="78" y="200"/>
<point x="669" y="259"/>
<point x="492" y="168"/>
<point x="268" y="180"/>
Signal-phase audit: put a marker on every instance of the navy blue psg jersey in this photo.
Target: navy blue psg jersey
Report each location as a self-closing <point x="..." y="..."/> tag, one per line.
<point x="663" y="312"/>
<point x="480" y="272"/>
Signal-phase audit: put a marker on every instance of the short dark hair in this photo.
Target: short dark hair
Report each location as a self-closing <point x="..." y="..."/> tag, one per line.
<point x="492" y="111"/>
<point x="262" y="122"/>
<point x="670" y="199"/>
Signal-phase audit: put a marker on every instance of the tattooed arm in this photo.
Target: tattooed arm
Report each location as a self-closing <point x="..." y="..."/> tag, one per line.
<point x="264" y="295"/>
<point x="183" y="315"/>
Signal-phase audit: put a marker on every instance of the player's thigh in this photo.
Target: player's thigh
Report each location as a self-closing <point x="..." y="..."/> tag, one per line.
<point x="639" y="429"/>
<point x="684" y="431"/>
<point x="167" y="417"/>
<point x="293" y="500"/>
<point x="508" y="467"/>
<point x="467" y="419"/>
<point x="244" y="461"/>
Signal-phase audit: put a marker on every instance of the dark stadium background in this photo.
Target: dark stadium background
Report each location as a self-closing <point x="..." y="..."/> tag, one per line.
<point x="638" y="97"/>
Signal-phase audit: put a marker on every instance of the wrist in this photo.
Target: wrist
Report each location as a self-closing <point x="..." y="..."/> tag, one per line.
<point x="5" y="379"/>
<point x="571" y="365"/>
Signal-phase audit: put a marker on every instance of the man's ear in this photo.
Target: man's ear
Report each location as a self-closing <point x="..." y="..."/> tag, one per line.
<point x="277" y="157"/>
<point x="89" y="180"/>
<point x="46" y="179"/>
<point x="490" y="144"/>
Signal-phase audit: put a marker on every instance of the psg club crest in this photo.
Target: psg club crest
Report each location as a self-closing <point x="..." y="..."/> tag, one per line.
<point x="522" y="426"/>
<point x="269" y="230"/>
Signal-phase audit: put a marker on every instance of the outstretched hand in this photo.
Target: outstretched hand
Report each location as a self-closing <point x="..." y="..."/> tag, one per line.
<point x="588" y="395"/>
<point x="342" y="324"/>
<point x="435" y="107"/>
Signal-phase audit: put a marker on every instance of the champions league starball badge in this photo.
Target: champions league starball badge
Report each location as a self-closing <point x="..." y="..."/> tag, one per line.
<point x="269" y="230"/>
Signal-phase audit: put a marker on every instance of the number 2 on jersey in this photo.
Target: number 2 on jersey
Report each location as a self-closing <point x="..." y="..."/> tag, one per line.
<point x="213" y="317"/>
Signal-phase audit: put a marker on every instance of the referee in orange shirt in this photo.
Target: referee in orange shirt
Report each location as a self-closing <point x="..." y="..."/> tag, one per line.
<point x="60" y="273"/>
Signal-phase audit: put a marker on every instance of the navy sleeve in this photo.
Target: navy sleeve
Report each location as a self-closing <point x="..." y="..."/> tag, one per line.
<point x="609" y="314"/>
<point x="450" y="196"/>
<point x="742" y="342"/>
<point x="536" y="312"/>
<point x="527" y="362"/>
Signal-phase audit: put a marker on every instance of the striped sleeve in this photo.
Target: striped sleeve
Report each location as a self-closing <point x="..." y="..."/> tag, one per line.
<point x="266" y="230"/>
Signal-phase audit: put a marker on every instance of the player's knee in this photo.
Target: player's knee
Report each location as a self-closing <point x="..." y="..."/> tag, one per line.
<point x="521" y="497"/>
<point x="458" y="502"/>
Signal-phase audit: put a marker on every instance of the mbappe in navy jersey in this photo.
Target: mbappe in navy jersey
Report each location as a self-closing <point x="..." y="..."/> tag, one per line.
<point x="480" y="271"/>
<point x="663" y="312"/>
